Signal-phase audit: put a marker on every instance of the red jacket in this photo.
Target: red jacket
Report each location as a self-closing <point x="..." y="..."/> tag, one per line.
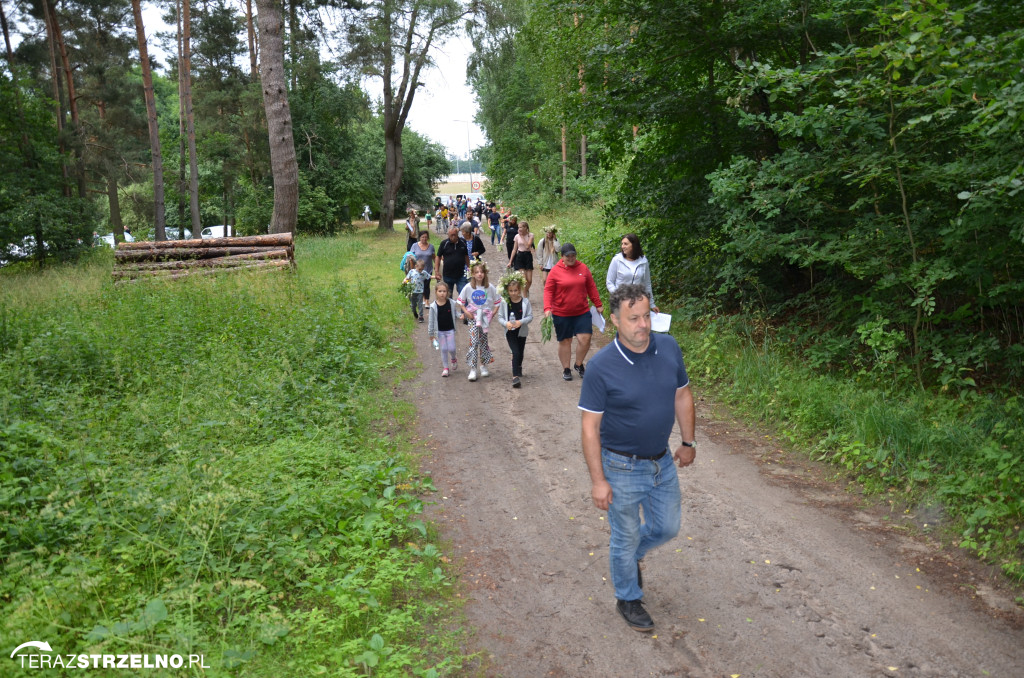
<point x="567" y="289"/>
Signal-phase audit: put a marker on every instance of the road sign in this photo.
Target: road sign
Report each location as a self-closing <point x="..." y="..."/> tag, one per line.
<point x="476" y="185"/>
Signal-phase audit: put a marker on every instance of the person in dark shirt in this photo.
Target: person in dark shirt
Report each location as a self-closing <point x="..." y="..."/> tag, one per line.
<point x="635" y="389"/>
<point x="494" y="219"/>
<point x="473" y="241"/>
<point x="511" y="231"/>
<point x="452" y="261"/>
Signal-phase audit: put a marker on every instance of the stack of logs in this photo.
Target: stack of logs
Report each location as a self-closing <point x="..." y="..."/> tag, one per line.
<point x="170" y="259"/>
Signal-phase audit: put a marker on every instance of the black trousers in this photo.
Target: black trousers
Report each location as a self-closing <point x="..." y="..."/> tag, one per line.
<point x="517" y="345"/>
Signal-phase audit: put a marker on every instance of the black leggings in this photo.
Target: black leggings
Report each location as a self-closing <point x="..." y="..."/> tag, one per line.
<point x="517" y="345"/>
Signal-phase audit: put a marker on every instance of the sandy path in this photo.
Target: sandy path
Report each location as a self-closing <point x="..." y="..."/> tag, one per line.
<point x="774" y="574"/>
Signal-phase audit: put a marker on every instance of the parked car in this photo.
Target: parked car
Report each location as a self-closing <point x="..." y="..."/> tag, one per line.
<point x="170" y="232"/>
<point x="14" y="252"/>
<point x="219" y="231"/>
<point x="174" y="233"/>
<point x="108" y="239"/>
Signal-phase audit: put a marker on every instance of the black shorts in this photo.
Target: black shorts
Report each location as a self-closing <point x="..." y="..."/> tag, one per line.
<point x="524" y="261"/>
<point x="567" y="327"/>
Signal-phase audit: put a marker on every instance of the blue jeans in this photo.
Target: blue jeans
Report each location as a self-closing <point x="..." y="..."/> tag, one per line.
<point x="455" y="285"/>
<point x="654" y="485"/>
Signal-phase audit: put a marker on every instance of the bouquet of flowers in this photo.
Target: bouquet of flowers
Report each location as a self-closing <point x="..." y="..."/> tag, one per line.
<point x="406" y="288"/>
<point x="511" y="276"/>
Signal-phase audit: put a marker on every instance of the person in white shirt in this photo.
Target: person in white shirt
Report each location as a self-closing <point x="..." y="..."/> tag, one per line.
<point x="630" y="267"/>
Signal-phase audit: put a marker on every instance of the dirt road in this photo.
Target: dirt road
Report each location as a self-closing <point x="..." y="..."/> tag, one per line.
<point x="775" y="573"/>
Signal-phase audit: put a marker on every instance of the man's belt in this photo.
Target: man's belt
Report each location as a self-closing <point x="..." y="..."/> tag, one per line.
<point x="639" y="456"/>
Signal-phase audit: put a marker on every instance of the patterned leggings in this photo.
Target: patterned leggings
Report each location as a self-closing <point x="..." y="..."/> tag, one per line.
<point x="479" y="352"/>
<point x="447" y="341"/>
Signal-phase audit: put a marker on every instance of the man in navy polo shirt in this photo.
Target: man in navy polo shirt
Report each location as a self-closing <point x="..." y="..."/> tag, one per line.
<point x="635" y="389"/>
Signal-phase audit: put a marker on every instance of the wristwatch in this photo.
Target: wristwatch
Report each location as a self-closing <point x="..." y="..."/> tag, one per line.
<point x="692" y="444"/>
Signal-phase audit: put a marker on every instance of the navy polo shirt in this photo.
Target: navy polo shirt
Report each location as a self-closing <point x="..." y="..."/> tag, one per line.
<point x="636" y="394"/>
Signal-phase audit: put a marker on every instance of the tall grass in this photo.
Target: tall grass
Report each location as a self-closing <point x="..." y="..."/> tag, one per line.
<point x="960" y="452"/>
<point x="195" y="467"/>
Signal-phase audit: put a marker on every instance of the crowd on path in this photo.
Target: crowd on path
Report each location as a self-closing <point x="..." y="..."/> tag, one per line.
<point x="634" y="389"/>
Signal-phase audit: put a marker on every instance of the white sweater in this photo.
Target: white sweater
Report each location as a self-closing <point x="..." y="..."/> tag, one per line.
<point x="623" y="271"/>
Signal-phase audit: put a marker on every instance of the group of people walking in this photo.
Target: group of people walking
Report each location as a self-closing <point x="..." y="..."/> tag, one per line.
<point x="457" y="267"/>
<point x="633" y="390"/>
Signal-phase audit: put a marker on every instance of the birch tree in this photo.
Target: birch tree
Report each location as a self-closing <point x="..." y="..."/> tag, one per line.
<point x="392" y="40"/>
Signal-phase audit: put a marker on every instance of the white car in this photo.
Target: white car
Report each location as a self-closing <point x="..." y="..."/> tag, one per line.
<point x="108" y="239"/>
<point x="220" y="231"/>
<point x="174" y="233"/>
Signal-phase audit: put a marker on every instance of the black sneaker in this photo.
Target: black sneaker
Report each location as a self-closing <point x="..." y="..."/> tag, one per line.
<point x="581" y="369"/>
<point x="516" y="383"/>
<point x="567" y="374"/>
<point x="635" y="615"/>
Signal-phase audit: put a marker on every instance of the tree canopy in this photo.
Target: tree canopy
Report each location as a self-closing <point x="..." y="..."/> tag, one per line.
<point x="65" y="179"/>
<point x="850" y="169"/>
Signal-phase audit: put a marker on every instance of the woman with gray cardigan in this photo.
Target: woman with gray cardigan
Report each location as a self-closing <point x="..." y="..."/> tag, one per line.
<point x="630" y="267"/>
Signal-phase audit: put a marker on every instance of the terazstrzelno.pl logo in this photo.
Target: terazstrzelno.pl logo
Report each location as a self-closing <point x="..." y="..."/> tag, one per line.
<point x="39" y="655"/>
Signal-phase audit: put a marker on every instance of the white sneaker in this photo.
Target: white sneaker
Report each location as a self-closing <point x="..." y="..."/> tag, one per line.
<point x="444" y="372"/>
<point x="472" y="375"/>
<point x="484" y="372"/>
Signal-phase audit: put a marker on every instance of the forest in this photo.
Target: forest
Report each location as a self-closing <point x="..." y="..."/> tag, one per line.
<point x="829" y="193"/>
<point x="850" y="170"/>
<point x="77" y="153"/>
<point x="831" y="196"/>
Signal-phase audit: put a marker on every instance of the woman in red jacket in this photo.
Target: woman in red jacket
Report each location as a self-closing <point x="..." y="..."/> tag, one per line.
<point x="566" y="293"/>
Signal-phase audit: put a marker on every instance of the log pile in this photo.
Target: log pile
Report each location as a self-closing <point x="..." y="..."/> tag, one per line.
<point x="171" y="259"/>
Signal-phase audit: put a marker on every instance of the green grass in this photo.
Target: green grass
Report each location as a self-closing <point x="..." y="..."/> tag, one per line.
<point x="197" y="467"/>
<point x="961" y="453"/>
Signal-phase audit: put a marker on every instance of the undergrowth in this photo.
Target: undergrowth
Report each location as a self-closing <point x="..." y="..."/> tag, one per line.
<point x="196" y="468"/>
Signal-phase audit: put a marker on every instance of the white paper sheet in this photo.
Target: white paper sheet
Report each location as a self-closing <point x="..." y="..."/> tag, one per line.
<point x="596" y="318"/>
<point x="660" y="322"/>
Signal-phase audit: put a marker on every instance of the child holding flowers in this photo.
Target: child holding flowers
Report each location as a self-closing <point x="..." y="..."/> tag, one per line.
<point x="515" y="314"/>
<point x="479" y="300"/>
<point x="416" y="277"/>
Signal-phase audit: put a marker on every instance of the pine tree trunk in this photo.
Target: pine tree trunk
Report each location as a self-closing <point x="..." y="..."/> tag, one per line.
<point x="72" y="100"/>
<point x="253" y="68"/>
<point x="154" y="131"/>
<point x="182" y="184"/>
<point x="116" y="225"/>
<point x="58" y="98"/>
<point x="26" y="145"/>
<point x="293" y="41"/>
<point x="283" y="164"/>
<point x="190" y="122"/>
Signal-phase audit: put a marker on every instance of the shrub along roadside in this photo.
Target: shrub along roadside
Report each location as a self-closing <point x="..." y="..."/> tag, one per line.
<point x="962" y="453"/>
<point x="195" y="468"/>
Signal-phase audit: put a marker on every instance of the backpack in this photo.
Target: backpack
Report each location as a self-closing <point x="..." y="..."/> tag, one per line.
<point x="407" y="261"/>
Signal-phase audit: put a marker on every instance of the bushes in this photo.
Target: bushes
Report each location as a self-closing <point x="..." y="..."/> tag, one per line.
<point x="963" y="452"/>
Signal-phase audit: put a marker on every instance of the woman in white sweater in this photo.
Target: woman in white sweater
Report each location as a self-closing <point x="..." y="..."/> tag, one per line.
<point x="630" y="267"/>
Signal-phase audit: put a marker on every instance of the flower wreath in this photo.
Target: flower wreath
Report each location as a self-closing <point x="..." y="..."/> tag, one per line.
<point x="511" y="276"/>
